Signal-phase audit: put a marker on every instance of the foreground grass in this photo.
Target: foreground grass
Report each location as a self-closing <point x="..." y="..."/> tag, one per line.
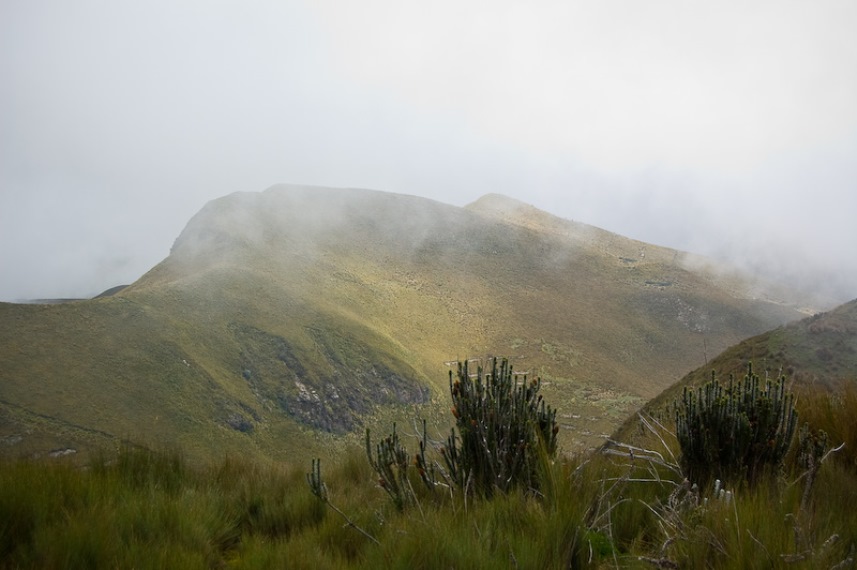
<point x="155" y="510"/>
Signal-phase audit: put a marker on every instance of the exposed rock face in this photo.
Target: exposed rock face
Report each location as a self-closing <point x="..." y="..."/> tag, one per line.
<point x="339" y="409"/>
<point x="352" y="385"/>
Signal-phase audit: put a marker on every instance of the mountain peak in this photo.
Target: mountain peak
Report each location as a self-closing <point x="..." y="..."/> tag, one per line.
<point x="494" y="200"/>
<point x="504" y="207"/>
<point x="302" y="309"/>
<point x="512" y="211"/>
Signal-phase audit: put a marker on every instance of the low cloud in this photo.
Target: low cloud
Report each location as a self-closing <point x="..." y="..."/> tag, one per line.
<point x="727" y="130"/>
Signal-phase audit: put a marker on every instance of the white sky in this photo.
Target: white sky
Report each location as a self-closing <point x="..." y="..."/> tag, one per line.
<point x="723" y="128"/>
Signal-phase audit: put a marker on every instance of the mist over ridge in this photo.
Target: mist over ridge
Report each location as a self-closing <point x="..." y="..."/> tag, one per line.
<point x="314" y="311"/>
<point x="725" y="130"/>
<point x="816" y="287"/>
<point x="304" y="219"/>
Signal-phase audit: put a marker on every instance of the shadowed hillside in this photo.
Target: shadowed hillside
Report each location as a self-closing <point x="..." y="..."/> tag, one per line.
<point x="817" y="355"/>
<point x="284" y="319"/>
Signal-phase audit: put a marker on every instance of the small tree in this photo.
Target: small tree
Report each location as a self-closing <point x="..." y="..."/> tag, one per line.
<point x="737" y="432"/>
<point x="503" y="428"/>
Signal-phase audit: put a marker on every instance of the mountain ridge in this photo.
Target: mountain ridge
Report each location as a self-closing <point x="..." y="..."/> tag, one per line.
<point x="267" y="328"/>
<point x="816" y="355"/>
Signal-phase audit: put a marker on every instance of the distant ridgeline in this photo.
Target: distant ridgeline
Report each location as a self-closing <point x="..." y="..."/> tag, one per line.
<point x="283" y="321"/>
<point x="108" y="293"/>
<point x="817" y="354"/>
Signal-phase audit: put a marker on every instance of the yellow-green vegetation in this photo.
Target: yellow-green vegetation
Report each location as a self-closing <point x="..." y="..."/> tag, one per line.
<point x="787" y="518"/>
<point x="817" y="355"/>
<point x="828" y="413"/>
<point x="627" y="507"/>
<point x="284" y="322"/>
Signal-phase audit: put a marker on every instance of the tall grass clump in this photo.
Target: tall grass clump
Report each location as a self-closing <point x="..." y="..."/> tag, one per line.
<point x="147" y="509"/>
<point x="833" y="413"/>
<point x="735" y="432"/>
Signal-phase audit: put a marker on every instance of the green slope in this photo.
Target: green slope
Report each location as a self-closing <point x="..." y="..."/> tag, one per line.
<point x="285" y="319"/>
<point x="817" y="354"/>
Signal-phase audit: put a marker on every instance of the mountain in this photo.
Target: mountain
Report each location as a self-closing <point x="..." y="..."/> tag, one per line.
<point x="283" y="322"/>
<point x="817" y="355"/>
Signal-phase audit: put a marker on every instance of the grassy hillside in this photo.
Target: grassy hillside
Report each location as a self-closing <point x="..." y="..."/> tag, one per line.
<point x="283" y="321"/>
<point x="817" y="355"/>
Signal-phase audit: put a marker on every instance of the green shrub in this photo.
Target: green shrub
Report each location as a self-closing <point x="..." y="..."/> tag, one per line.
<point x="390" y="461"/>
<point x="735" y="432"/>
<point x="504" y="435"/>
<point x="504" y="428"/>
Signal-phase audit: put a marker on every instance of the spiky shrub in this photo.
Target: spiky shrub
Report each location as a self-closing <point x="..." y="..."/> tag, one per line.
<point x="502" y="429"/>
<point x="735" y="432"/>
<point x="390" y="462"/>
<point x="811" y="447"/>
<point x="426" y="468"/>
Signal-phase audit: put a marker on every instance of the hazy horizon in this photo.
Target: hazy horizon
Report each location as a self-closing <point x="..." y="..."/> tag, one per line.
<point x="727" y="130"/>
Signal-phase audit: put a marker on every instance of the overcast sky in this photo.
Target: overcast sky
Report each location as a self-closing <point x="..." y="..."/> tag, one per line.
<point x="723" y="128"/>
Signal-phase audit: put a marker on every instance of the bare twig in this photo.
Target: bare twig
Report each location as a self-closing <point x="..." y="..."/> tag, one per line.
<point x="757" y="541"/>
<point x="647" y="423"/>
<point x="656" y="480"/>
<point x="319" y="489"/>
<point x="633" y="453"/>
<point x="806" y="473"/>
<point x="792" y="558"/>
<point x="658" y="562"/>
<point x="834" y="450"/>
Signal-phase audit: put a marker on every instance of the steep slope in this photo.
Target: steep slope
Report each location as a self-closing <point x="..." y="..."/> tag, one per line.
<point x="818" y="353"/>
<point x="284" y="318"/>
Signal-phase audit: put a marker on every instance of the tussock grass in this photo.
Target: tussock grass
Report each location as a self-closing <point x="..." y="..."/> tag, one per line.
<point x="834" y="413"/>
<point x="156" y="509"/>
<point x="144" y="509"/>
